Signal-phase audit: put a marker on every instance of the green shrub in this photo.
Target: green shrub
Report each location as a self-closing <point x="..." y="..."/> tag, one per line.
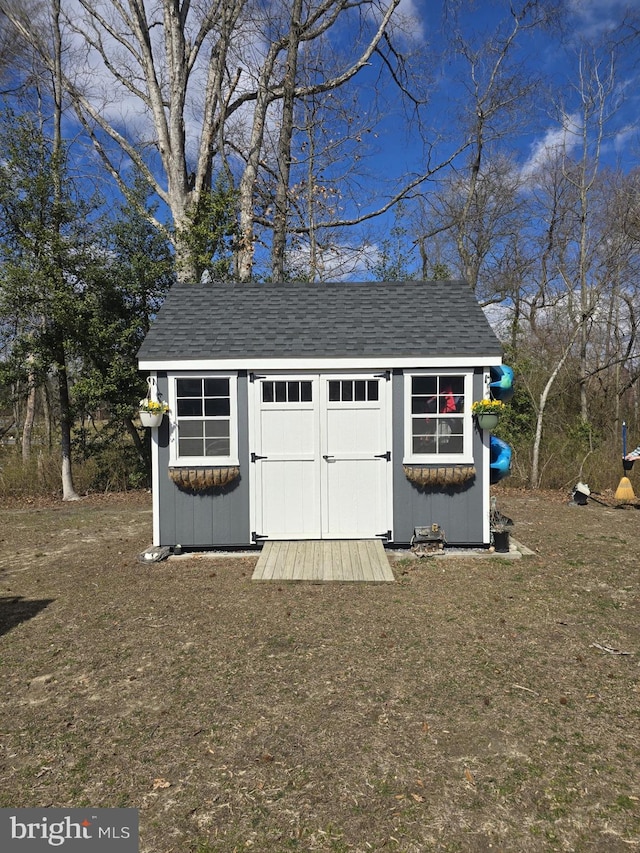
<point x="102" y="461"/>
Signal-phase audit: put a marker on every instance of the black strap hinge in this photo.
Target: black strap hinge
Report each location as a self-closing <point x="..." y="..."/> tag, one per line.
<point x="255" y="457"/>
<point x="254" y="376"/>
<point x="386" y="456"/>
<point x="384" y="375"/>
<point x="256" y="537"/>
<point x="386" y="535"/>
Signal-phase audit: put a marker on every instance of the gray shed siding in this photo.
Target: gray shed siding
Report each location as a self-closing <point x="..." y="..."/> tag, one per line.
<point x="458" y="512"/>
<point x="221" y="518"/>
<point x="210" y="519"/>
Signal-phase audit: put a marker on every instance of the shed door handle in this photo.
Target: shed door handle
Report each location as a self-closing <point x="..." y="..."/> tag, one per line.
<point x="328" y="457"/>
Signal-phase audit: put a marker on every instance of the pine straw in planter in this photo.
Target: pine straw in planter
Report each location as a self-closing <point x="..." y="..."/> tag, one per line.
<point x="199" y="479"/>
<point x="451" y="475"/>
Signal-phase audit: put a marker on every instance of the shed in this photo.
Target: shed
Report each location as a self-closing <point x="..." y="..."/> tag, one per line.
<point x="313" y="411"/>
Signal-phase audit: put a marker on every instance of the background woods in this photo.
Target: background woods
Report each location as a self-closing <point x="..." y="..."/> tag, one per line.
<point x="149" y="141"/>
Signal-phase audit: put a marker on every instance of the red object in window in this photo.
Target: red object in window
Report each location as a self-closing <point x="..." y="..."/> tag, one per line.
<point x="449" y="404"/>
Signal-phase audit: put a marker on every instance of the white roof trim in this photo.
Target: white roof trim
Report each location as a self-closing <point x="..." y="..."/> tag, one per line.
<point x="319" y="364"/>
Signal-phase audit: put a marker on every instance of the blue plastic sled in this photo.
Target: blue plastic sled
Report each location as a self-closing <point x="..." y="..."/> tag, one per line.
<point x="500" y="465"/>
<point x="501" y="385"/>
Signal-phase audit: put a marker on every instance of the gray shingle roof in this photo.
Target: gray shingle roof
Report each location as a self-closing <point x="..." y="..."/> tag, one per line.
<point x="368" y="319"/>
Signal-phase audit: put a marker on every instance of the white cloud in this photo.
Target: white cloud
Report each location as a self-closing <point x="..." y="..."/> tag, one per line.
<point x="624" y="136"/>
<point x="337" y="261"/>
<point x="411" y="19"/>
<point x="595" y="17"/>
<point x="556" y="140"/>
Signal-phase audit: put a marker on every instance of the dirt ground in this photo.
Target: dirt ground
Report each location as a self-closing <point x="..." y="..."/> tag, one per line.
<point x="474" y="705"/>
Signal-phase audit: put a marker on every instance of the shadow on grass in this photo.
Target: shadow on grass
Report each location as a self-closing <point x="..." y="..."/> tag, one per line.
<point x="15" y="609"/>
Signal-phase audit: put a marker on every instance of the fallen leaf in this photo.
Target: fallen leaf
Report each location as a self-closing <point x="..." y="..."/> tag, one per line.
<point x="468" y="775"/>
<point x="418" y="798"/>
<point x="160" y="783"/>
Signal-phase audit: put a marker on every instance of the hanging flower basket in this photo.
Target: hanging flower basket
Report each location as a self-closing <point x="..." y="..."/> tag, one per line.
<point x="487" y="413"/>
<point x="151" y="412"/>
<point x="487" y="421"/>
<point x="150" y="419"/>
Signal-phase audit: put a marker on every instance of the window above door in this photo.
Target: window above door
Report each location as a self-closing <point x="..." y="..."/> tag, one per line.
<point x="286" y="391"/>
<point x="353" y="390"/>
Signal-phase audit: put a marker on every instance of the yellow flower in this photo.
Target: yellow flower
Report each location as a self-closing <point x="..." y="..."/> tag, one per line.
<point x="487" y="407"/>
<point x="153" y="406"/>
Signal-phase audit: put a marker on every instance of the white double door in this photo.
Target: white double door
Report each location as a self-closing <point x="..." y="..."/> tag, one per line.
<point x="321" y="462"/>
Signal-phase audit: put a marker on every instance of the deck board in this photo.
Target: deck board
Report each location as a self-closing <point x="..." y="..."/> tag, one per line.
<point x="323" y="561"/>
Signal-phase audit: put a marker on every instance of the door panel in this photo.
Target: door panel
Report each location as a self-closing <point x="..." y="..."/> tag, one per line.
<point x="355" y="499"/>
<point x="320" y="467"/>
<point x="287" y="479"/>
<point x="289" y="432"/>
<point x="354" y="477"/>
<point x="355" y="432"/>
<point x="290" y="499"/>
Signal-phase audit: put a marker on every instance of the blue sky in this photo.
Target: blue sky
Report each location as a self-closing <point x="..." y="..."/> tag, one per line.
<point x="395" y="148"/>
<point x="554" y="117"/>
<point x="556" y="59"/>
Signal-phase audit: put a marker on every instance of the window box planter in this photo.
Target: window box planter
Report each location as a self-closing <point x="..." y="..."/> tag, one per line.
<point x="443" y="475"/>
<point x="200" y="479"/>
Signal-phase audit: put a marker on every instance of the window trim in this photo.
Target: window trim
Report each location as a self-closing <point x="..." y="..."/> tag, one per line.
<point x="275" y="403"/>
<point x="362" y="403"/>
<point x="175" y="460"/>
<point x="463" y="458"/>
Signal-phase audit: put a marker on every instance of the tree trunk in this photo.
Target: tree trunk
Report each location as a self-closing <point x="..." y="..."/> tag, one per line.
<point x="66" y="424"/>
<point x="246" y="248"/>
<point x="535" y="462"/>
<point x="68" y="490"/>
<point x="47" y="415"/>
<point x="185" y="263"/>
<point x="279" y="242"/>
<point x="29" y="418"/>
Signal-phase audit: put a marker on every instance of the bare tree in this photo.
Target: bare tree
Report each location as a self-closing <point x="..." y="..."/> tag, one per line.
<point x="596" y="90"/>
<point x="66" y="416"/>
<point x="199" y="83"/>
<point x="283" y="165"/>
<point x="15" y="52"/>
<point x="483" y="230"/>
<point x="317" y="26"/>
<point x="333" y="135"/>
<point x="534" y="478"/>
<point x="498" y="95"/>
<point x="40" y="258"/>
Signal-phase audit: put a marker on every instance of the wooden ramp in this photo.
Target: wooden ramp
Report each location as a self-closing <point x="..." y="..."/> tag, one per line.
<point x="321" y="561"/>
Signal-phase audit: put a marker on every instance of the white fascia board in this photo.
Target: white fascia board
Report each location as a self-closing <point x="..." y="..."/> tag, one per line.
<point x="319" y="364"/>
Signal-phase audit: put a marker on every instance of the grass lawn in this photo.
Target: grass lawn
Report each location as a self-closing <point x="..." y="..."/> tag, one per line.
<point x="474" y="705"/>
